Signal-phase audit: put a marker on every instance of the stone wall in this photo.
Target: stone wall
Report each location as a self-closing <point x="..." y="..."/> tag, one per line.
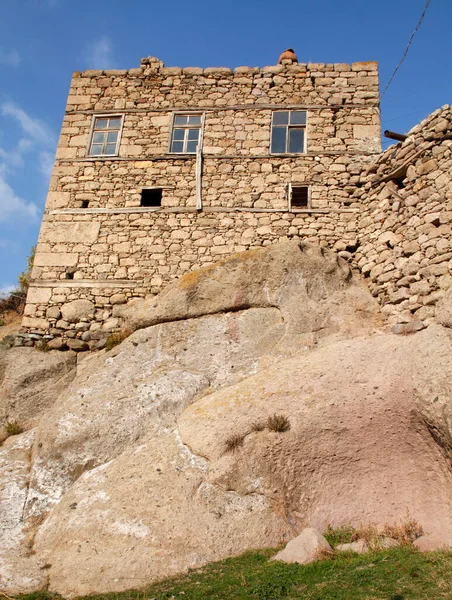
<point x="100" y="246"/>
<point x="405" y="226"/>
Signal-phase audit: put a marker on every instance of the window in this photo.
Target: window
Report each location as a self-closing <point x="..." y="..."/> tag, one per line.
<point x="151" y="197"/>
<point x="288" y="132"/>
<point x="186" y="133"/>
<point x="299" y="196"/>
<point x="105" y="136"/>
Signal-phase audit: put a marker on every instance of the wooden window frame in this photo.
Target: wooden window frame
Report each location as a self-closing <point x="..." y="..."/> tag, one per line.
<point x="187" y="113"/>
<point x="93" y="131"/>
<point x="288" y="127"/>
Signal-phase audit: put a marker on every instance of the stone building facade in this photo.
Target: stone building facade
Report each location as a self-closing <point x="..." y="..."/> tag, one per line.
<point x="162" y="170"/>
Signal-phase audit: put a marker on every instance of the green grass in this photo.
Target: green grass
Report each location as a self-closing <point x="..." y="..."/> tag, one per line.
<point x="395" y="574"/>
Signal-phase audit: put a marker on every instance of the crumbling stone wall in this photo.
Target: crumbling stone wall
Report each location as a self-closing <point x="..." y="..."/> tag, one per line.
<point x="405" y="226"/>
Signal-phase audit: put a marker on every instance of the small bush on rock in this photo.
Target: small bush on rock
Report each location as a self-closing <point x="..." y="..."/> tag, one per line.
<point x="233" y="442"/>
<point x="258" y="426"/>
<point x="10" y="428"/>
<point x="278" y="423"/>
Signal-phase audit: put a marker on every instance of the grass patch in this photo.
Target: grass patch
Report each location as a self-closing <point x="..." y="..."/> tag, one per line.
<point x="233" y="442"/>
<point x="393" y="574"/>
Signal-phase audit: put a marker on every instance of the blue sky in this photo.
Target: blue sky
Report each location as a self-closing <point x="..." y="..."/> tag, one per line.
<point x="43" y="41"/>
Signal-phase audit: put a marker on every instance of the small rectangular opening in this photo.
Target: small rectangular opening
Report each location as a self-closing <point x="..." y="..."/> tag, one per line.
<point x="300" y="196"/>
<point x="85" y="203"/>
<point x="151" y="197"/>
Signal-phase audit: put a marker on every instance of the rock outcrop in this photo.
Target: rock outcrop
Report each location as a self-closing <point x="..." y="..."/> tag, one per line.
<point x="127" y="477"/>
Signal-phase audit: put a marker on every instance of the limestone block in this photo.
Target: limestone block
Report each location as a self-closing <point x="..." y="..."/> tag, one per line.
<point x="80" y="232"/>
<point x="55" y="259"/>
<point x="38" y="295"/>
<point x="35" y="323"/>
<point x="57" y="200"/>
<point x="76" y="310"/>
<point x="304" y="548"/>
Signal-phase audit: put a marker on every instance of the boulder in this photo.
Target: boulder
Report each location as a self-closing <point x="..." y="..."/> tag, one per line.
<point x="312" y="287"/>
<point x="305" y="548"/>
<point x="360" y="547"/>
<point x="31" y="381"/>
<point x="432" y="543"/>
<point x="75" y="311"/>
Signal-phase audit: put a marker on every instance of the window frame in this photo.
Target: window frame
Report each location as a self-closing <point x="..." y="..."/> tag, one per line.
<point x="188" y="113"/>
<point x="288" y="127"/>
<point x="93" y="131"/>
<point x="290" y="187"/>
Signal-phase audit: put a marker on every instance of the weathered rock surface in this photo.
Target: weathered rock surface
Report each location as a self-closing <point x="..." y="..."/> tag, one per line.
<point x="128" y="480"/>
<point x="304" y="548"/>
<point x="31" y="381"/>
<point x="312" y="287"/>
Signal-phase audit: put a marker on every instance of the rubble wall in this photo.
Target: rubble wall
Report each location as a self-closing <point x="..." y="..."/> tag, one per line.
<point x="405" y="227"/>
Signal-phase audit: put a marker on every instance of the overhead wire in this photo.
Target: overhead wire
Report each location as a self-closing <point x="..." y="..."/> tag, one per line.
<point x="407" y="47"/>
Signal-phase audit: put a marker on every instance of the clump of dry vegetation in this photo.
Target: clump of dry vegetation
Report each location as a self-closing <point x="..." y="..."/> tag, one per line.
<point x="234" y="442"/>
<point x="9" y="429"/>
<point x="278" y="423"/>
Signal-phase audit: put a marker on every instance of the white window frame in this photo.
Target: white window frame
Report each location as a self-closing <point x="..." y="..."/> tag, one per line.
<point x="290" y="186"/>
<point x="288" y="127"/>
<point x="187" y="128"/>
<point x="93" y="130"/>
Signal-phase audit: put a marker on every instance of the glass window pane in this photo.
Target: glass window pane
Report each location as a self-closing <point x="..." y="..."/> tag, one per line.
<point x="193" y="134"/>
<point x="112" y="137"/>
<point x="191" y="146"/>
<point x="114" y="124"/>
<point x="296" y="140"/>
<point x="180" y="119"/>
<point x="194" y="119"/>
<point x="101" y="123"/>
<point x="177" y="147"/>
<point x="280" y="118"/>
<point x="278" y="140"/>
<point x="110" y="149"/>
<point x="298" y="117"/>
<point x="99" y="137"/>
<point x="96" y="149"/>
<point x="178" y="134"/>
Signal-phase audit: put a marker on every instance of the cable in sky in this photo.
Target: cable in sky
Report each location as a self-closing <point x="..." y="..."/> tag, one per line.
<point x="408" y="46"/>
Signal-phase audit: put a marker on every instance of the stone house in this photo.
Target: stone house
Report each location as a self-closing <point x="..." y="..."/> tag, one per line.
<point x="160" y="170"/>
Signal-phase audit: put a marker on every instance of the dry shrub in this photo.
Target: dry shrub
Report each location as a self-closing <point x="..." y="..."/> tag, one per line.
<point x="13" y="428"/>
<point x="233" y="442"/>
<point x="324" y="554"/>
<point x="258" y="426"/>
<point x="10" y="428"/>
<point x="405" y="532"/>
<point x="279" y="423"/>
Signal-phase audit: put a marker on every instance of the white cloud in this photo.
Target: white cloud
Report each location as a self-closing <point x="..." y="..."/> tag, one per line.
<point x="99" y="55"/>
<point x="10" y="58"/>
<point x="13" y="206"/>
<point x="46" y="160"/>
<point x="36" y="129"/>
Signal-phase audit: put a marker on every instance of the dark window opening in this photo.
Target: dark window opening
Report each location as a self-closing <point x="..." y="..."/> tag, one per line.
<point x="151" y="197"/>
<point x="70" y="275"/>
<point x="300" y="196"/>
<point x="399" y="182"/>
<point x="85" y="203"/>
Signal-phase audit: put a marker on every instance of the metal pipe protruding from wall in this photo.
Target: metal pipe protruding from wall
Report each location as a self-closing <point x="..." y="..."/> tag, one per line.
<point x="400" y="137"/>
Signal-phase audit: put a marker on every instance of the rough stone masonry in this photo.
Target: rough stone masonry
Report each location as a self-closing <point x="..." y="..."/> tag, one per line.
<point x="160" y="171"/>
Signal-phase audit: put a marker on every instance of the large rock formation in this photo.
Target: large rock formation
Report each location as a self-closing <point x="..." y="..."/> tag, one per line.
<point x="127" y="477"/>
